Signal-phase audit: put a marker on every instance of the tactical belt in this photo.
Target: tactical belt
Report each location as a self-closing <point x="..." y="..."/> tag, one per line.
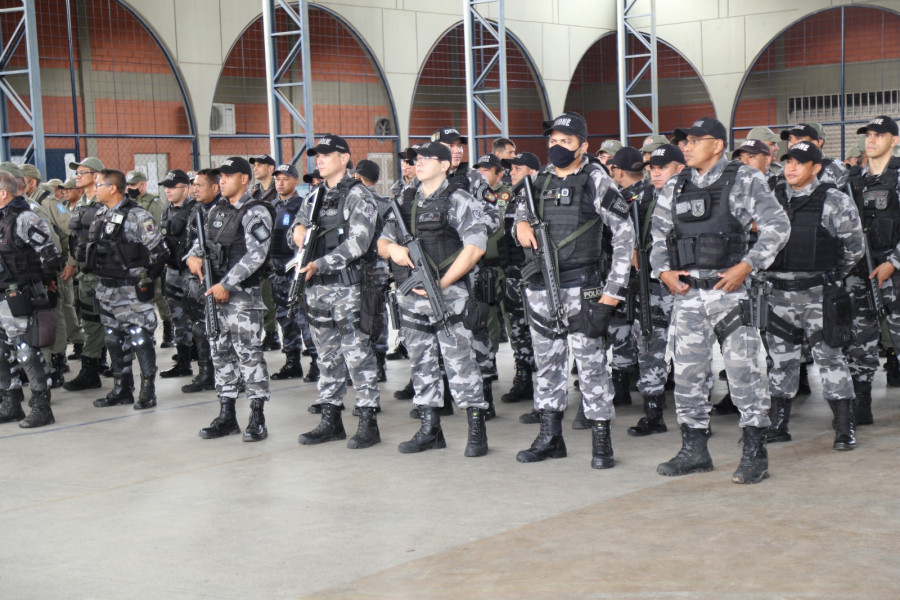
<point x="578" y="275"/>
<point x="114" y="282"/>
<point x="797" y="285"/>
<point x="418" y="322"/>
<point x="708" y="283"/>
<point x="347" y="277"/>
<point x="323" y="319"/>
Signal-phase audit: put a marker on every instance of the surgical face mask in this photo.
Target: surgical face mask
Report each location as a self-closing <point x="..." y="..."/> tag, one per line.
<point x="133" y="193"/>
<point x="560" y="156"/>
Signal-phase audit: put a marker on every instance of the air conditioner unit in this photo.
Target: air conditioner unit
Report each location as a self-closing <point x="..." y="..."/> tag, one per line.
<point x="221" y="120"/>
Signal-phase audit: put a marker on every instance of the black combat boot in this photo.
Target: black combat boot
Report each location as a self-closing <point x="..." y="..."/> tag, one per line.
<point x="780" y="416"/>
<point x="406" y="393"/>
<point x="256" y="429"/>
<point x="292" y="367"/>
<point x="693" y="456"/>
<point x="580" y="421"/>
<point x="205" y="379"/>
<point x="754" y="465"/>
<point x="182" y="366"/>
<point x="168" y="339"/>
<point x="76" y="352"/>
<point x="652" y="421"/>
<point x="844" y="427"/>
<point x="621" y="379"/>
<point x="40" y="414"/>
<point x="104" y="366"/>
<point x="892" y="368"/>
<point x="57" y="368"/>
<point x="862" y="403"/>
<point x="487" y="388"/>
<point x="11" y="408"/>
<point x="121" y="393"/>
<point x="367" y="434"/>
<point x="225" y="424"/>
<point x="147" y="396"/>
<point x="398" y="353"/>
<point x="445" y="410"/>
<point x="312" y="375"/>
<point x="272" y="341"/>
<point x="355" y="412"/>
<point x="522" y="387"/>
<point x="329" y="429"/>
<point x="531" y="417"/>
<point x="430" y="436"/>
<point x="549" y="442"/>
<point x="477" y="444"/>
<point x="381" y="374"/>
<point x="88" y="377"/>
<point x="601" y="446"/>
<point x="142" y="344"/>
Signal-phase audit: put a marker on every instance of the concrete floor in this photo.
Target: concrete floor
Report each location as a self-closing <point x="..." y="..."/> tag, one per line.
<point x="113" y="503"/>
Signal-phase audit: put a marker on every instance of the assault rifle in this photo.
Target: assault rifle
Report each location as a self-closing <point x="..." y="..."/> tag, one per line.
<point x="212" y="309"/>
<point x="544" y="258"/>
<point x="297" y="293"/>
<point x="643" y="277"/>
<point x="421" y="275"/>
<point x="876" y="301"/>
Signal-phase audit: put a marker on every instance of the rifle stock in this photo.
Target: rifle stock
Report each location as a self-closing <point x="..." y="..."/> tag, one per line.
<point x="544" y="258"/>
<point x="876" y="301"/>
<point x="643" y="274"/>
<point x="297" y="293"/>
<point x="212" y="309"/>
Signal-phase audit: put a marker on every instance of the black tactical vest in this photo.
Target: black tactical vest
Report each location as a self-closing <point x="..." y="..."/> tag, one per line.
<point x="705" y="234"/>
<point x="19" y="260"/>
<point x="567" y="206"/>
<point x="515" y="253"/>
<point x="284" y="217"/>
<point x="108" y="253"/>
<point x="175" y="221"/>
<point x="811" y="247"/>
<point x="430" y="224"/>
<point x="225" y="238"/>
<point x="79" y="228"/>
<point x="460" y="177"/>
<point x="334" y="226"/>
<point x="876" y="197"/>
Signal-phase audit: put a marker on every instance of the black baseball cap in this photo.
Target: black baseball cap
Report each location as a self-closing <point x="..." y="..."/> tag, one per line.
<point x="664" y="155"/>
<point x="526" y="159"/>
<point x="368" y="169"/>
<point x="448" y="135"/>
<point x="308" y="178"/>
<point x="804" y="152"/>
<point x="752" y="147"/>
<point x="264" y="159"/>
<point x="434" y="150"/>
<point x="703" y="127"/>
<point x="882" y="124"/>
<point x="329" y="143"/>
<point x="175" y="177"/>
<point x="288" y="170"/>
<point x="488" y="160"/>
<point x="406" y="155"/>
<point x="801" y="130"/>
<point x="628" y="159"/>
<point x="568" y="122"/>
<point x="236" y="164"/>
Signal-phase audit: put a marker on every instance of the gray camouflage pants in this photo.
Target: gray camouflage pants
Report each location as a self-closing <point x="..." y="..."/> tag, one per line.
<point x="517" y="325"/>
<point x="863" y="352"/>
<point x="237" y="352"/>
<point x="178" y="297"/>
<point x="652" y="361"/>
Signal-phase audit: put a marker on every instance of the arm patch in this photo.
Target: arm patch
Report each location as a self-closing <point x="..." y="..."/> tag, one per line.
<point x="614" y="203"/>
<point x="36" y="236"/>
<point x="260" y="231"/>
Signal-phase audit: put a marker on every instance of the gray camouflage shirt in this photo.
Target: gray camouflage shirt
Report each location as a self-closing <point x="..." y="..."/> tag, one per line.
<point x="138" y="226"/>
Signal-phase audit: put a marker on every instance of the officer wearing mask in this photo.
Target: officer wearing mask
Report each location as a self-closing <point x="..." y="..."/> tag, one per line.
<point x="28" y="260"/>
<point x="453" y="230"/>
<point x="264" y="189"/>
<point x="575" y="198"/>
<point x="348" y="223"/>
<point x="700" y="252"/>
<point x="126" y="251"/>
<point x="826" y="243"/>
<point x="238" y="234"/>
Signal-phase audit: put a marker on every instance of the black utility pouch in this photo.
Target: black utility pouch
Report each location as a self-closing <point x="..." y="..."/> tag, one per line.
<point x="475" y="315"/>
<point x="41" y="329"/>
<point x="486" y="285"/>
<point x="144" y="289"/>
<point x="593" y="319"/>
<point x="19" y="302"/>
<point x="838" y="310"/>
<point x="371" y="314"/>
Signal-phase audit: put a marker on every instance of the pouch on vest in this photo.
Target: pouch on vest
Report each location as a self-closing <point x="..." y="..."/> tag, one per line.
<point x="19" y="302"/>
<point x="475" y="314"/>
<point x="593" y="319"/>
<point x="837" y="316"/>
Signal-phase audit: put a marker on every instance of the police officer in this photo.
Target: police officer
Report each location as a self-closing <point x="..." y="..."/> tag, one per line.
<point x="876" y="190"/>
<point x="407" y="178"/>
<point x="264" y="189"/>
<point x="575" y="198"/>
<point x="652" y="142"/>
<point x="826" y="242"/>
<point x="770" y="139"/>
<point x="700" y="240"/>
<point x="448" y="222"/>
<point x="607" y="150"/>
<point x="174" y="224"/>
<point x="66" y="291"/>
<point x="833" y="171"/>
<point x="347" y="221"/>
<point x="126" y="251"/>
<point x="29" y="260"/>
<point x="238" y="234"/>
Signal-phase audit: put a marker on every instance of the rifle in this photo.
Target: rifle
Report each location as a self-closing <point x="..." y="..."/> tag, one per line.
<point x="643" y="277"/>
<point x="297" y="293"/>
<point x="543" y="259"/>
<point x="876" y="301"/>
<point x="421" y="275"/>
<point x="212" y="309"/>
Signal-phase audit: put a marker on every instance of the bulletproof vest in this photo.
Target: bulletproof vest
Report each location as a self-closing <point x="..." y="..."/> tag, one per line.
<point x="430" y="224"/>
<point x="333" y="225"/>
<point x="174" y="225"/>
<point x="567" y="207"/>
<point x="460" y="177"/>
<point x="879" y="206"/>
<point x="266" y="196"/>
<point x="225" y="238"/>
<point x="109" y="254"/>
<point x="79" y="228"/>
<point x="284" y="216"/>
<point x="19" y="262"/>
<point x="705" y="234"/>
<point x="811" y="247"/>
<point x="516" y="253"/>
<point x="495" y="253"/>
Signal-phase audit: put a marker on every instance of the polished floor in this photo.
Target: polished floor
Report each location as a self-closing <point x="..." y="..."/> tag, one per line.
<point x="113" y="503"/>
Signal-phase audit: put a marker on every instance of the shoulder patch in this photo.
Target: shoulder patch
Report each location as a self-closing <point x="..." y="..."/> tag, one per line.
<point x="36" y="236"/>
<point x="149" y="225"/>
<point x="614" y="203"/>
<point x="260" y="231"/>
<point x="62" y="208"/>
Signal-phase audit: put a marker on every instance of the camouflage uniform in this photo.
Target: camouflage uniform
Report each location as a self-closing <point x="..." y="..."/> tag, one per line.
<point x="270" y="319"/>
<point x="175" y="221"/>
<point x="72" y="323"/>
<point x="152" y="204"/>
<point x="85" y="283"/>
<point x="293" y="330"/>
<point x="512" y="298"/>
<point x="834" y="171"/>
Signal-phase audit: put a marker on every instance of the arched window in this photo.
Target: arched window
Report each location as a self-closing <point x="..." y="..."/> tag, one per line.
<point x="594" y="90"/>
<point x="440" y="96"/>
<point x="839" y="67"/>
<point x="350" y="96"/>
<point x="109" y="90"/>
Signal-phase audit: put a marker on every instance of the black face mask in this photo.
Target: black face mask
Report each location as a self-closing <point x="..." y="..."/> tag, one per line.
<point x="560" y="156"/>
<point x="134" y="193"/>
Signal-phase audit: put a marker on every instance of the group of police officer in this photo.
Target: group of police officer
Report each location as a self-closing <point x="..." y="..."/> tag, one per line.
<point x="655" y="253"/>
